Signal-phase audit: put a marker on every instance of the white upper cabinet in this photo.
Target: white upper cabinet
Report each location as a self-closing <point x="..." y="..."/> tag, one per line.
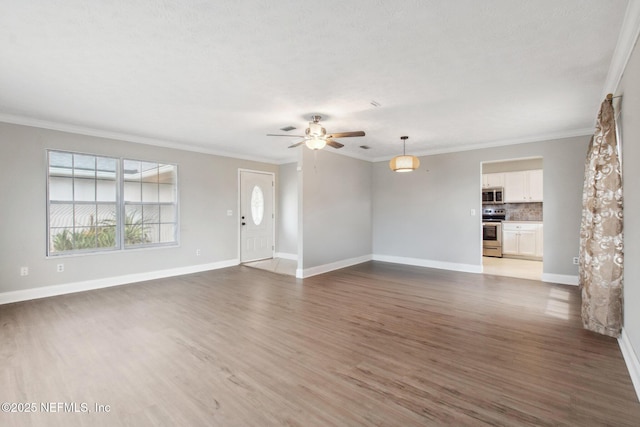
<point x="491" y="180"/>
<point x="523" y="186"/>
<point x="535" y="185"/>
<point x="514" y="183"/>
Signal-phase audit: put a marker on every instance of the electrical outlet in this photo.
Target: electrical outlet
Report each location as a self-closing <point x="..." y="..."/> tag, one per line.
<point x="575" y="260"/>
<point x="197" y="252"/>
<point x="24" y="271"/>
<point x="229" y="212"/>
<point x="473" y="212"/>
<point x="60" y="268"/>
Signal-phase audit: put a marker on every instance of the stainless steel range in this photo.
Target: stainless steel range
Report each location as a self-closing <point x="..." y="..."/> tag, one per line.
<point x="492" y="231"/>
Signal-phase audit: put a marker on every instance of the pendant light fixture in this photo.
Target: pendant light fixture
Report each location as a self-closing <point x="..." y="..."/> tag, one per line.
<point x="404" y="163"/>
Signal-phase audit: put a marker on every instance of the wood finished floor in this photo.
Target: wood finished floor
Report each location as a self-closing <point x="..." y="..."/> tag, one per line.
<point x="375" y="344"/>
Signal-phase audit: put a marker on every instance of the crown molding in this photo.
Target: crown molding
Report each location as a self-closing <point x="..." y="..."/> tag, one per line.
<point x="629" y="32"/>
<point x="500" y="143"/>
<point x="100" y="133"/>
<point x="82" y="130"/>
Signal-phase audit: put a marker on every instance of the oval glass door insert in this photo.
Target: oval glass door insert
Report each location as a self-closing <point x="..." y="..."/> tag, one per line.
<point x="257" y="205"/>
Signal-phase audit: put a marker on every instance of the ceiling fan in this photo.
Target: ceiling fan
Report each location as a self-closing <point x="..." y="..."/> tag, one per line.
<point x="316" y="137"/>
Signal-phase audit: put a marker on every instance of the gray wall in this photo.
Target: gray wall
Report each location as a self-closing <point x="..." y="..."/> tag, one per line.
<point x="208" y="187"/>
<point x="426" y="214"/>
<point x="512" y="166"/>
<point x="287" y="218"/>
<point x="336" y="208"/>
<point x="630" y="127"/>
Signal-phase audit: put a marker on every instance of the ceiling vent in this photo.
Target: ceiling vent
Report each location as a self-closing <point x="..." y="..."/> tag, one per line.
<point x="287" y="128"/>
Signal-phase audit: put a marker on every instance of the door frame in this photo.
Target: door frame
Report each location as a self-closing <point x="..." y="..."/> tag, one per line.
<point x="239" y="208"/>
<point x="510" y="159"/>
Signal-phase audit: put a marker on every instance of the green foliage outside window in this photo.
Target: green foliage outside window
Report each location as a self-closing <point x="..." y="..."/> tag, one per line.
<point x="102" y="235"/>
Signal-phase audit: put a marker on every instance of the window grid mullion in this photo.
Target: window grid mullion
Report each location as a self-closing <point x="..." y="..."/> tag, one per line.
<point x="73" y="201"/>
<point x="121" y="206"/>
<point x="95" y="201"/>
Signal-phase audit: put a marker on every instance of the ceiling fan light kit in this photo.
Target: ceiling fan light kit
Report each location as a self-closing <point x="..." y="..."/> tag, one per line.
<point x="316" y="138"/>
<point x="315" y="143"/>
<point x="404" y="163"/>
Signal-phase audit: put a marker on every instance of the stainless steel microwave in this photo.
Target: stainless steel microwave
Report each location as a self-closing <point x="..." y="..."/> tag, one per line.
<point x="492" y="196"/>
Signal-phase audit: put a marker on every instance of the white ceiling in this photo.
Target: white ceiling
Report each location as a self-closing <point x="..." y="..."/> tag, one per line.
<point x="216" y="76"/>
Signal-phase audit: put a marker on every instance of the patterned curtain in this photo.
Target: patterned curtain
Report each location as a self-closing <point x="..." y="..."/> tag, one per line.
<point x="601" y="242"/>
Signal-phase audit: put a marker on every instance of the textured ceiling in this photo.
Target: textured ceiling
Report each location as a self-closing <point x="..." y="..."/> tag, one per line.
<point x="218" y="75"/>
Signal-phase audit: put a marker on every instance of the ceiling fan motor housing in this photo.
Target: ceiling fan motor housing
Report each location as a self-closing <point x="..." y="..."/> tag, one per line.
<point x="315" y="129"/>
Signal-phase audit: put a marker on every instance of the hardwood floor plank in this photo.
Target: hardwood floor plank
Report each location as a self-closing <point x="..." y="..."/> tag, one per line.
<point x="373" y="344"/>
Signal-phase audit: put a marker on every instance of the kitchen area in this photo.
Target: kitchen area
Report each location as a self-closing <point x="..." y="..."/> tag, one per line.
<point x="512" y="220"/>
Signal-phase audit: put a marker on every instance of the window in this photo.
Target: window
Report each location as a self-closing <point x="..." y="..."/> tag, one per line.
<point x="98" y="203"/>
<point x="257" y="205"/>
<point x="82" y="202"/>
<point x="150" y="208"/>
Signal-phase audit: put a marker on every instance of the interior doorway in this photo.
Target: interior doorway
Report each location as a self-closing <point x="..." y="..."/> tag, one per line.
<point x="516" y="211"/>
<point x="257" y="220"/>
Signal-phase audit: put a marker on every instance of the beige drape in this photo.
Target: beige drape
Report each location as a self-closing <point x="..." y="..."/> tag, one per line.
<point x="601" y="239"/>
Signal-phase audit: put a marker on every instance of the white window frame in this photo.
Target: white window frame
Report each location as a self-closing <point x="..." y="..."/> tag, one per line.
<point x="124" y="203"/>
<point x="120" y="209"/>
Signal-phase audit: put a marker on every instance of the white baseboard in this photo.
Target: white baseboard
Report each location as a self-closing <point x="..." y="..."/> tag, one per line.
<point x="325" y="268"/>
<point x="86" y="285"/>
<point x="563" y="279"/>
<point x="631" y="359"/>
<point x="419" y="262"/>
<point x="284" y="255"/>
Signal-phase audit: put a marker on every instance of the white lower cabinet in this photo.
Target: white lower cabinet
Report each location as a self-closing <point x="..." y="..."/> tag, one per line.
<point x="522" y="240"/>
<point x="509" y="241"/>
<point x="527" y="243"/>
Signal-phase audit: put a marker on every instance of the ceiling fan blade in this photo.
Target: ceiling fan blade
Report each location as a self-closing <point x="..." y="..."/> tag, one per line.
<point x="334" y="144"/>
<point x="346" y="134"/>
<point x="296" y="144"/>
<point x="295" y="136"/>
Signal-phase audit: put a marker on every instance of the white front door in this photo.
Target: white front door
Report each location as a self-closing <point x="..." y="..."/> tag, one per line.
<point x="256" y="215"/>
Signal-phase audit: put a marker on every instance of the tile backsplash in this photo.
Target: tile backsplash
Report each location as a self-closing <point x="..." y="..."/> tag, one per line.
<point x="523" y="211"/>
